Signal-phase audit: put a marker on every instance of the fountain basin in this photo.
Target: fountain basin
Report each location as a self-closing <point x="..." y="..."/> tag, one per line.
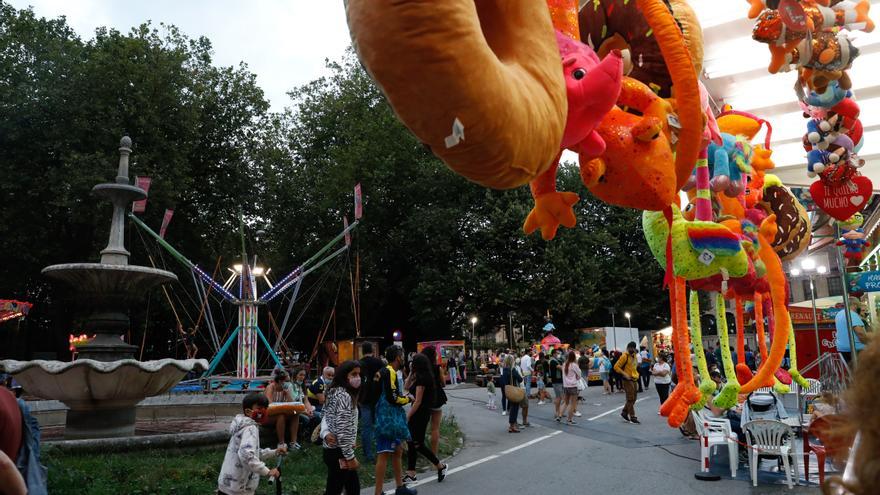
<point x="101" y="395"/>
<point x="126" y="281"/>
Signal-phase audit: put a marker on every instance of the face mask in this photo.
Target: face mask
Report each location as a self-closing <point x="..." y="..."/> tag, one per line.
<point x="355" y="381"/>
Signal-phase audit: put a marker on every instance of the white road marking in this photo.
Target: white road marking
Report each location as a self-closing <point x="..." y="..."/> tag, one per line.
<point x="485" y="459"/>
<point x="616" y="409"/>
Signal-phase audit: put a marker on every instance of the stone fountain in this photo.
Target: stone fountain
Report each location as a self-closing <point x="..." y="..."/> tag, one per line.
<point x="104" y="385"/>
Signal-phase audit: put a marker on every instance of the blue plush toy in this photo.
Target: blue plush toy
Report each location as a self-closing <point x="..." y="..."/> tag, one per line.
<point x="818" y="160"/>
<point x="819" y="134"/>
<point x="833" y="95"/>
<point x="729" y="162"/>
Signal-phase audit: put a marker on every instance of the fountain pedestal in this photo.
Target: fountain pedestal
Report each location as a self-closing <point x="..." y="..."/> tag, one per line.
<point x="104" y="385"/>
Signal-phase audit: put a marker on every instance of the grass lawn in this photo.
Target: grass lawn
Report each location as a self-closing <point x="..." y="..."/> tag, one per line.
<point x="194" y="471"/>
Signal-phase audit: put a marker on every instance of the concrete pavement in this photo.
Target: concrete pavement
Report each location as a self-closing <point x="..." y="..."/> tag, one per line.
<point x="601" y="454"/>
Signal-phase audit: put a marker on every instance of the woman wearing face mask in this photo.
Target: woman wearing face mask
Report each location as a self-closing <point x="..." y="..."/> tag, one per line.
<point x="341" y="417"/>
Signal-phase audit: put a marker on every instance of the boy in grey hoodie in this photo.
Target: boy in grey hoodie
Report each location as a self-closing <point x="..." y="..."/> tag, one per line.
<point x="243" y="465"/>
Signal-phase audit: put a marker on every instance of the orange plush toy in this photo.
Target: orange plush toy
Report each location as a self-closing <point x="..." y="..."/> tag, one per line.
<point x="480" y="83"/>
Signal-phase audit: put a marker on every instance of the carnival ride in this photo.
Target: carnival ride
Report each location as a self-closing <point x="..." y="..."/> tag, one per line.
<point x="641" y="135"/>
<point x="10" y="309"/>
<point x="247" y="332"/>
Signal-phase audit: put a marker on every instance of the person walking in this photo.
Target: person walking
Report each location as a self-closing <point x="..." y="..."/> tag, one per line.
<point x="341" y="420"/>
<point x="440" y="398"/>
<point x="422" y="387"/>
<point x="662" y="373"/>
<point x="645" y="369"/>
<point x="571" y="374"/>
<point x="370" y="391"/>
<point x="391" y="427"/>
<point x="604" y="365"/>
<point x="626" y="367"/>
<point x="555" y="370"/>
<point x="510" y="376"/>
<point x="452" y="370"/>
<point x="526" y="365"/>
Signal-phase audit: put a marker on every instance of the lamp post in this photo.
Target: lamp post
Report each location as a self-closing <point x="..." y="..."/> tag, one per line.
<point x="473" y="329"/>
<point x="809" y="267"/>
<point x="628" y="319"/>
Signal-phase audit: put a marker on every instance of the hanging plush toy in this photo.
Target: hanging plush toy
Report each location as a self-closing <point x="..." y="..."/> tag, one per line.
<point x="853" y="237"/>
<point x="593" y="87"/>
<point x="730" y="164"/>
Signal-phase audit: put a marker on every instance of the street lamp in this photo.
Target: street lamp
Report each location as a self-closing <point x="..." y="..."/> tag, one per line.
<point x="473" y="328"/>
<point x="809" y="266"/>
<point x="628" y="319"/>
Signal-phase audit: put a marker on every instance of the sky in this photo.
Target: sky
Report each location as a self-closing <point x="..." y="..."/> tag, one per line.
<point x="283" y="42"/>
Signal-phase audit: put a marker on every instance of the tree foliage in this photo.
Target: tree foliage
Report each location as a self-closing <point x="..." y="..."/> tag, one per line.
<point x="433" y="249"/>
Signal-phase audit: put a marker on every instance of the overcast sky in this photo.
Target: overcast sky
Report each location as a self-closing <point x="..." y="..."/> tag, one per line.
<point x="284" y="42"/>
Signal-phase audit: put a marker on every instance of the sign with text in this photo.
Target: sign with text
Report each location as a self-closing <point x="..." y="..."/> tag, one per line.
<point x="864" y="282"/>
<point x="844" y="200"/>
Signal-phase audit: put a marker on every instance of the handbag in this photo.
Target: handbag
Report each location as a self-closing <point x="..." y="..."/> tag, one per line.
<point x="582" y="385"/>
<point x="514" y="393"/>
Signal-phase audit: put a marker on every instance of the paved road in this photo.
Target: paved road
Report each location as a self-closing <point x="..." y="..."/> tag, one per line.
<point x="601" y="454"/>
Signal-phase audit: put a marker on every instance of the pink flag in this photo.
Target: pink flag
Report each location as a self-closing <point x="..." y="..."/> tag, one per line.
<point x="358" y="202"/>
<point x="347" y="234"/>
<point x="141" y="205"/>
<point x="165" y="222"/>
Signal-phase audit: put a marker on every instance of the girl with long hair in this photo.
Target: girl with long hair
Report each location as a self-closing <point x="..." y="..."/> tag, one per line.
<point x="423" y="387"/>
<point x="571" y="374"/>
<point x="439" y="397"/>
<point x="341" y="418"/>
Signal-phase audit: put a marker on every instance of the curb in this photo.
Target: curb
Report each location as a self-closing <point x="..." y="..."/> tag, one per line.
<point x="131" y="444"/>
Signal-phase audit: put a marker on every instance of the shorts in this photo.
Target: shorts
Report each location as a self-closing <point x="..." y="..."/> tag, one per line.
<point x="557" y="389"/>
<point x="603" y="375"/>
<point x="571" y="391"/>
<point x="541" y="385"/>
<point x="386" y="445"/>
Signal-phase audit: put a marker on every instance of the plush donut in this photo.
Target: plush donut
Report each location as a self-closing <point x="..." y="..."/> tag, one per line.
<point x="479" y="83"/>
<point x="286" y="408"/>
<point x="619" y="24"/>
<point x="793" y="232"/>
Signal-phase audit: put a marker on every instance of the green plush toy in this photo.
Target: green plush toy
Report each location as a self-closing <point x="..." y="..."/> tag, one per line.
<point x="699" y="249"/>
<point x="727" y="398"/>
<point x="793" y="370"/>
<point x="707" y="386"/>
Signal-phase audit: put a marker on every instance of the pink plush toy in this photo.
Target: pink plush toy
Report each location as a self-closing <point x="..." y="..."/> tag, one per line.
<point x="593" y="87"/>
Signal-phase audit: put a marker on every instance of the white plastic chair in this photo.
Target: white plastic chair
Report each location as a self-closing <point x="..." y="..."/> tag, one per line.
<point x="815" y="387"/>
<point x="714" y="432"/>
<point x="764" y="390"/>
<point x="771" y="438"/>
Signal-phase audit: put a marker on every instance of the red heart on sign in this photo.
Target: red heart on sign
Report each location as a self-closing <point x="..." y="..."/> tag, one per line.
<point x="843" y="201"/>
<point x="793" y="16"/>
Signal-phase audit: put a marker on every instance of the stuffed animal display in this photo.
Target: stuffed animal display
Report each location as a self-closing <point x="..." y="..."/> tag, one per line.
<point x="852" y="236"/>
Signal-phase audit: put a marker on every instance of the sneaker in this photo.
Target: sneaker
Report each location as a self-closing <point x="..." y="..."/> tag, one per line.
<point x="559" y="419"/>
<point x="294" y="446"/>
<point x="405" y="490"/>
<point x="504" y="413"/>
<point x="541" y="403"/>
<point x="625" y="417"/>
<point x="634" y="420"/>
<point x="571" y="422"/>
<point x="409" y="478"/>
<point x="577" y="414"/>
<point x="441" y="473"/>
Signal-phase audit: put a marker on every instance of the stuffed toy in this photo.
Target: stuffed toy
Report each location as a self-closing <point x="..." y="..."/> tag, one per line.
<point x="635" y="169"/>
<point x="853" y="237"/>
<point x="699" y="249"/>
<point x="793" y="233"/>
<point x="707" y="386"/>
<point x="819" y="135"/>
<point x="592" y="88"/>
<point x="685" y="394"/>
<point x="818" y="160"/>
<point x="725" y="399"/>
<point x="832" y="95"/>
<point x="729" y="163"/>
<point x="620" y="25"/>
<point x="494" y="112"/>
<point x="844" y="119"/>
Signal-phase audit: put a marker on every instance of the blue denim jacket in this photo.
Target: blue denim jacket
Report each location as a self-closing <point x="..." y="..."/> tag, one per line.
<point x="28" y="463"/>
